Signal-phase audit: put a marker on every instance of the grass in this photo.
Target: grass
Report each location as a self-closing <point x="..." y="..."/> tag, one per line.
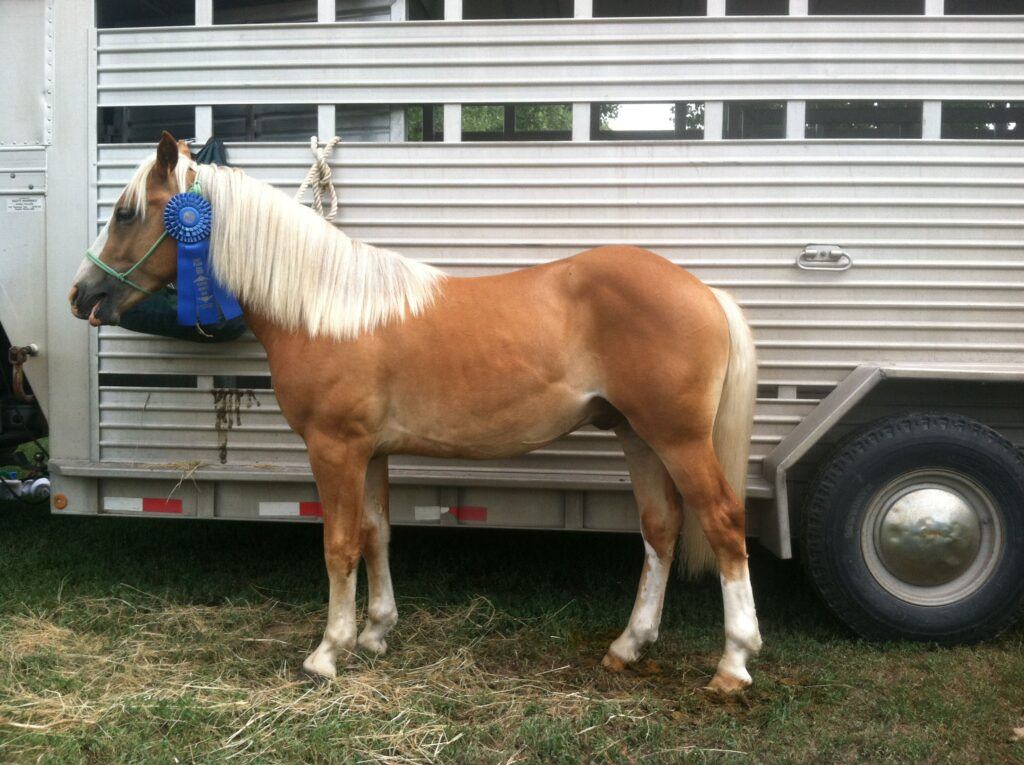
<point x="150" y="640"/>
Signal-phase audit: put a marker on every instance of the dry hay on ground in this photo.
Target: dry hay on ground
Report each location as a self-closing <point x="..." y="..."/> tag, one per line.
<point x="99" y="662"/>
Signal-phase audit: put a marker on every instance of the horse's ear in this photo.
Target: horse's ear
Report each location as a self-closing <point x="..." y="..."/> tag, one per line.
<point x="167" y="154"/>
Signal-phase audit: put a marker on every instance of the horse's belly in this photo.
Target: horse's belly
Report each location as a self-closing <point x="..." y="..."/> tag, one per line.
<point x="503" y="430"/>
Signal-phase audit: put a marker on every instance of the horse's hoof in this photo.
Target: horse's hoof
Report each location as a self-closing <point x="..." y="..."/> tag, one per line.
<point x="727" y="684"/>
<point x="304" y="675"/>
<point x="613" y="663"/>
<point x="371" y="644"/>
<point x="320" y="664"/>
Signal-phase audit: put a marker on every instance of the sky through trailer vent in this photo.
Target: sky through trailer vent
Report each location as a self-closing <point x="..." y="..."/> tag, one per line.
<point x="620" y="8"/>
<point x="863" y="119"/>
<point x="646" y="121"/>
<point x="746" y="120"/>
<point x="756" y="7"/>
<point x="265" y="122"/>
<point x="983" y="119"/>
<point x="143" y="124"/>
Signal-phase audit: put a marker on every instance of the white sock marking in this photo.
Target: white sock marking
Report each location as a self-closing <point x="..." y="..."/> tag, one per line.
<point x="742" y="638"/>
<point x="340" y="634"/>
<point x="645" y="620"/>
<point x="381" y="611"/>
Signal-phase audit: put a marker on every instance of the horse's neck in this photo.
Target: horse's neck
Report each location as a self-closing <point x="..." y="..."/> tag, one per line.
<point x="280" y="343"/>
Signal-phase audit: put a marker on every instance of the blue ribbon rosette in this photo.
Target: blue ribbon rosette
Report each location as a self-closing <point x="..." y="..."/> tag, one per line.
<point x="188" y="218"/>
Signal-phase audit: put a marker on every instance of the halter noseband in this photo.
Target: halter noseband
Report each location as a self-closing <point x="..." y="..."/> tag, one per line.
<point x="122" y="276"/>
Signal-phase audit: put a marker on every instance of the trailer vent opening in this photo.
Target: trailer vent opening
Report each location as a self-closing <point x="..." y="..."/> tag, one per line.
<point x="363" y="122"/>
<point x="517" y="122"/>
<point x="143" y="124"/>
<point x="115" y="380"/>
<point x="865" y="7"/>
<point x="424" y="123"/>
<point x="619" y="8"/>
<point x="745" y="120"/>
<point x="984" y="7"/>
<point x="243" y="382"/>
<point x="122" y="14"/>
<point x="424" y="10"/>
<point x="863" y="119"/>
<point x="813" y="392"/>
<point x="517" y="9"/>
<point x="757" y="7"/>
<point x="265" y="122"/>
<point x="646" y="121"/>
<point x="263" y="11"/>
<point x="983" y="119"/>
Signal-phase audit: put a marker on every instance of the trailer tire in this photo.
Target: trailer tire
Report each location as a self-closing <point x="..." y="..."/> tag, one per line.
<point x="914" y="529"/>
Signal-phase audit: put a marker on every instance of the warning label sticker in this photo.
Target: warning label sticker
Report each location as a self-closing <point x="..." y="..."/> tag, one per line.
<point x="24" y="204"/>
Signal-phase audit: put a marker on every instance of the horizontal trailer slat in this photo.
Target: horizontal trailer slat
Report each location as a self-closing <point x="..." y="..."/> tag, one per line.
<point x="426" y="158"/>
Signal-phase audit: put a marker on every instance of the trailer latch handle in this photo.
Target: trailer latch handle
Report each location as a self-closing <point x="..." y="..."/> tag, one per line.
<point x="17" y="356"/>
<point x="824" y="257"/>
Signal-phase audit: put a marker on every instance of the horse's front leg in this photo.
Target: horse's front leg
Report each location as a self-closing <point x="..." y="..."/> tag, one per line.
<point x="340" y="471"/>
<point x="381" y="613"/>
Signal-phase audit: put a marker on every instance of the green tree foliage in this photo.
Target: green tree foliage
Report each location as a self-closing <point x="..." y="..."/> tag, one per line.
<point x="606" y="113"/>
<point x="529" y="118"/>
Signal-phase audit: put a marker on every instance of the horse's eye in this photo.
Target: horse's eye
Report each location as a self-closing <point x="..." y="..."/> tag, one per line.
<point x="124" y="214"/>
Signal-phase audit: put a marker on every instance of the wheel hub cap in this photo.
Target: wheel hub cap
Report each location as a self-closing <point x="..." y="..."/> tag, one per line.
<point x="932" y="536"/>
<point x="929" y="537"/>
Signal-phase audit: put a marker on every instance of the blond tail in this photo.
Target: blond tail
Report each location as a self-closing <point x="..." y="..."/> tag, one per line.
<point x="733" y="424"/>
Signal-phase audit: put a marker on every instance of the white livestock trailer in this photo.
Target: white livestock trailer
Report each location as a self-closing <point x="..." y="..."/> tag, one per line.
<point x="854" y="180"/>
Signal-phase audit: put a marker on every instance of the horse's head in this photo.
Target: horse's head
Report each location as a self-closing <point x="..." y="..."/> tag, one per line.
<point x="131" y="257"/>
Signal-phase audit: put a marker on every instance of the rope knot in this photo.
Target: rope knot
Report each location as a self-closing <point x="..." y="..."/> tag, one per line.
<point x="319" y="177"/>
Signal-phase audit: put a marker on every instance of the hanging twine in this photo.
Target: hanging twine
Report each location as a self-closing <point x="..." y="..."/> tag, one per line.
<point x="319" y="177"/>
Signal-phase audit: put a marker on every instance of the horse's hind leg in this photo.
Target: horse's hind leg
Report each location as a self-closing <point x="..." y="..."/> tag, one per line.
<point x="661" y="516"/>
<point x="381" y="613"/>
<point x="695" y="470"/>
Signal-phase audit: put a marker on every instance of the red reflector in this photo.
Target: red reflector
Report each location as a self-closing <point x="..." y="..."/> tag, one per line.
<point x="154" y="505"/>
<point x="469" y="513"/>
<point x="311" y="508"/>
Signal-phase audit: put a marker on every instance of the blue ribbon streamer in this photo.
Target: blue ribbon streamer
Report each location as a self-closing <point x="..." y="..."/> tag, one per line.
<point x="200" y="294"/>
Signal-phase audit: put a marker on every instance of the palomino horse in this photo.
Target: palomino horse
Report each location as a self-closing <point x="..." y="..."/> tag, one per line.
<point x="374" y="354"/>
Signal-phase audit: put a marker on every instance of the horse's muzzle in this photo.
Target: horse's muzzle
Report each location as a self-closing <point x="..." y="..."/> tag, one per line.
<point x="98" y="302"/>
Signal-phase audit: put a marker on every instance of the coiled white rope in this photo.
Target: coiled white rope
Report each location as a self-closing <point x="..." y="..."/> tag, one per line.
<point x="319" y="177"/>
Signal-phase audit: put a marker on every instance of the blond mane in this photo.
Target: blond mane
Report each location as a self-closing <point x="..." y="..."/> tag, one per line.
<point x="284" y="261"/>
